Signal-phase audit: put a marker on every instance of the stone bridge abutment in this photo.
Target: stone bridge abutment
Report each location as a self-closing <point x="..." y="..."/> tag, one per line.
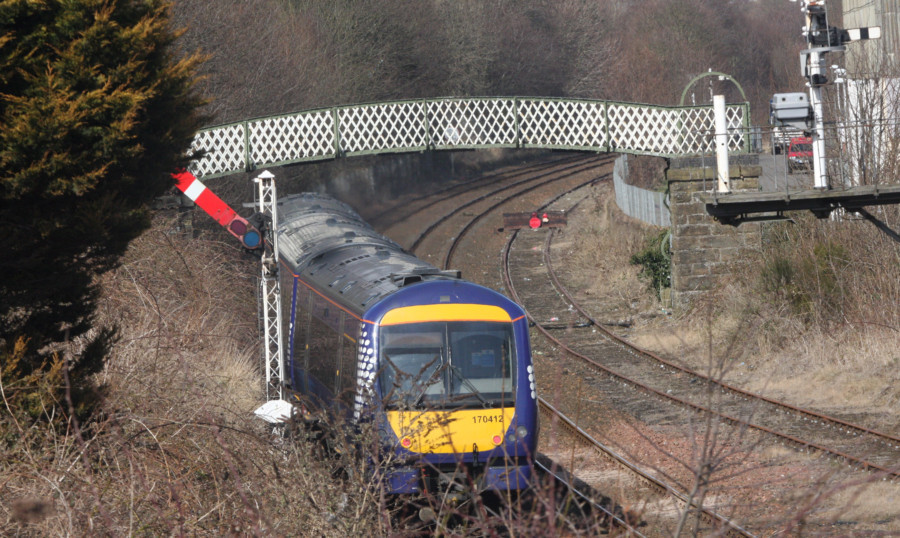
<point x="705" y="254"/>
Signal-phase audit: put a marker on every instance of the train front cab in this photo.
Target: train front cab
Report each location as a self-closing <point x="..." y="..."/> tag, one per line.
<point x="456" y="387"/>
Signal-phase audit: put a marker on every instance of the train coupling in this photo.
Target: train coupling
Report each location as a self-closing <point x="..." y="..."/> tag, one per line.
<point x="426" y="514"/>
<point x="452" y="499"/>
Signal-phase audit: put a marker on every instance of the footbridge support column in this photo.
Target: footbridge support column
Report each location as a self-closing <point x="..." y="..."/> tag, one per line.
<point x="705" y="254"/>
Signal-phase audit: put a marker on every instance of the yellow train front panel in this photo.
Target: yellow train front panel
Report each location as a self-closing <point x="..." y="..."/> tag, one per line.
<point x="450" y="431"/>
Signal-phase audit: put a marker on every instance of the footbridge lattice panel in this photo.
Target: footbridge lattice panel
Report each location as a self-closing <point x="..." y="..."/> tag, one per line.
<point x="463" y="123"/>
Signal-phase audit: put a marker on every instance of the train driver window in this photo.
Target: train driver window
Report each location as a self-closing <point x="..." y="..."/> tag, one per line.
<point x="482" y="355"/>
<point x="447" y="364"/>
<point x="411" y="360"/>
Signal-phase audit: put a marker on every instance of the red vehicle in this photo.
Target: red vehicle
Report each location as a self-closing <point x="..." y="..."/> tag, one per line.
<point x="800" y="154"/>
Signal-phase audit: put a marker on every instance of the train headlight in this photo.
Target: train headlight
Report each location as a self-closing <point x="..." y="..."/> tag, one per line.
<point x="497" y="440"/>
<point x="520" y="433"/>
<point x="406" y="442"/>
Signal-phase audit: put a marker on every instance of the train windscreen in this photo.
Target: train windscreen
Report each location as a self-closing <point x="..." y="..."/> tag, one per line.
<point x="448" y="365"/>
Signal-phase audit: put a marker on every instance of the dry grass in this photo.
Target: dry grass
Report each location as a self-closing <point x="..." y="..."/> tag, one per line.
<point x="838" y="372"/>
<point x="829" y="327"/>
<point x="176" y="450"/>
<point x="868" y="501"/>
<point x="826" y="337"/>
<point x="187" y="316"/>
<point x="602" y="246"/>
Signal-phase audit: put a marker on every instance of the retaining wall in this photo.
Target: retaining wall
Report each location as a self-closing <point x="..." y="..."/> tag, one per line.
<point x="642" y="204"/>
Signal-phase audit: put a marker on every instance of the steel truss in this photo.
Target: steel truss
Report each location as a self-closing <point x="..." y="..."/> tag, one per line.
<point x="270" y="289"/>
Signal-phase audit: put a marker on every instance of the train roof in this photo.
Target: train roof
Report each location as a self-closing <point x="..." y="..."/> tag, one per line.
<point x="331" y="248"/>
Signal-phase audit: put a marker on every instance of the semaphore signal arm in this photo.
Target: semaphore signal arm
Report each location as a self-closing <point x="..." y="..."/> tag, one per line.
<point x="248" y="231"/>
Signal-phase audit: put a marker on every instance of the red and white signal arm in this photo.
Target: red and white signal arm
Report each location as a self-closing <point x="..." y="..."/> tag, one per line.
<point x="236" y="225"/>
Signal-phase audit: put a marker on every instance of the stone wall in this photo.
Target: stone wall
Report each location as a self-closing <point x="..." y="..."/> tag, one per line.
<point x="705" y="253"/>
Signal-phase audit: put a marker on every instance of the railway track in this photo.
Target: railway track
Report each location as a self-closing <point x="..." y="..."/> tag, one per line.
<point x="663" y="509"/>
<point x="400" y="213"/>
<point x="589" y="506"/>
<point x="664" y="379"/>
<point x="412" y="222"/>
<point x="700" y="520"/>
<point x="649" y="377"/>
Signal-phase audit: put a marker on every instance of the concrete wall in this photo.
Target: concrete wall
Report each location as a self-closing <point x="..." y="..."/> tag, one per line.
<point x="360" y="181"/>
<point x="705" y="253"/>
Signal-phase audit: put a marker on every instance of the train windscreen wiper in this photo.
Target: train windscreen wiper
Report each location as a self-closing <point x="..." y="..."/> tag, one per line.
<point x="432" y="379"/>
<point x="469" y="385"/>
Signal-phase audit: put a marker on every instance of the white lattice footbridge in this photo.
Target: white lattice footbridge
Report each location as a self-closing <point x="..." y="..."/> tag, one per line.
<point x="464" y="123"/>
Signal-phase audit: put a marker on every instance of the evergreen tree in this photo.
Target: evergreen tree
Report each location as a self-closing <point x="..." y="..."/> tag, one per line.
<point x="95" y="112"/>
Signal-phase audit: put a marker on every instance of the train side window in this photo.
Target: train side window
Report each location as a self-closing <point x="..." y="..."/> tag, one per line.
<point x="307" y="338"/>
<point x="322" y="356"/>
<point x="339" y="353"/>
<point x="348" y="361"/>
<point x="302" y="339"/>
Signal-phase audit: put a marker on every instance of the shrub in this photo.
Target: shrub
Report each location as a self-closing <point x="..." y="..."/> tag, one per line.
<point x="656" y="266"/>
<point x="95" y="113"/>
<point x="808" y="280"/>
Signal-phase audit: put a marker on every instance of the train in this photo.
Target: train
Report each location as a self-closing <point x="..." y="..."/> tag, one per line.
<point x="440" y="366"/>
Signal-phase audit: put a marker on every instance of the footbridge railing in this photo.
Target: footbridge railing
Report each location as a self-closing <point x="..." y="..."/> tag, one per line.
<point x="464" y="123"/>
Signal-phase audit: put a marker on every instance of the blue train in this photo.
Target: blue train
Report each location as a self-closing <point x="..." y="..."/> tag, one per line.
<point x="441" y="365"/>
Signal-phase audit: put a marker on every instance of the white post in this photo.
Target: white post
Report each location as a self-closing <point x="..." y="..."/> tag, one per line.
<point x="724" y="184"/>
<point x="271" y="290"/>
<point x="276" y="410"/>
<point x="816" y="67"/>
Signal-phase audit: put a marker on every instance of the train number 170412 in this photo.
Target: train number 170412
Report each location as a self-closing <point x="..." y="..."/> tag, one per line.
<point x="479" y="419"/>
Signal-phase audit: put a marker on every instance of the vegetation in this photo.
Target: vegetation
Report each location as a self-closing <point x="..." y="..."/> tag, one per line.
<point x="177" y="451"/>
<point x="655" y="262"/>
<point x="832" y="275"/>
<point x="274" y="56"/>
<point x="94" y="111"/>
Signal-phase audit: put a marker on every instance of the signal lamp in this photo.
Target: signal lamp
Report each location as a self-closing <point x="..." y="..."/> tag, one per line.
<point x="238" y="227"/>
<point x="251" y="239"/>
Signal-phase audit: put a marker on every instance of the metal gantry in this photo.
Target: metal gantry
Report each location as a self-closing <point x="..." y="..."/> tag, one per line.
<point x="270" y="289"/>
<point x="792" y="110"/>
<point x="823" y="38"/>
